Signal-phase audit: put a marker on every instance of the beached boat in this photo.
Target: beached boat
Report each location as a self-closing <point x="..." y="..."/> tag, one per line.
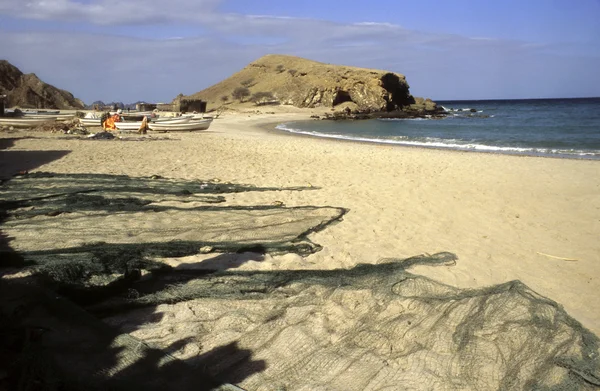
<point x="173" y="120"/>
<point x="90" y="121"/>
<point x="135" y="125"/>
<point x="57" y="117"/>
<point x="163" y="119"/>
<point x="23" y="122"/>
<point x="184" y="127"/>
<point x="28" y="111"/>
<point x="196" y="117"/>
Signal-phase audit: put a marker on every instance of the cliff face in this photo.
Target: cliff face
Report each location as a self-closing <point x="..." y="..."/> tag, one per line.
<point x="304" y="83"/>
<point x="28" y="91"/>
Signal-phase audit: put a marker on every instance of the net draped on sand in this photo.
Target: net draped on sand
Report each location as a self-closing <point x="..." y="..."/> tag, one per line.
<point x="371" y="327"/>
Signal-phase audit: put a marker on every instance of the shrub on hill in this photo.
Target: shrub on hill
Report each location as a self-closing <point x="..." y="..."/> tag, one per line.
<point x="241" y="93"/>
<point x="264" y="97"/>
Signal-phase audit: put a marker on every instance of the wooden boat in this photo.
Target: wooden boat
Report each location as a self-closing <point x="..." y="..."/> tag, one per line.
<point x="23" y="122"/>
<point x="202" y="124"/>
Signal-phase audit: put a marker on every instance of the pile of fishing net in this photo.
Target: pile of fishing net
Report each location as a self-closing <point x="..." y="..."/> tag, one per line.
<point x="99" y="240"/>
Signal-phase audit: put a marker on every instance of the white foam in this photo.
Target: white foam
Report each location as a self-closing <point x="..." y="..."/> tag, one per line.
<point x="404" y="119"/>
<point x="432" y="142"/>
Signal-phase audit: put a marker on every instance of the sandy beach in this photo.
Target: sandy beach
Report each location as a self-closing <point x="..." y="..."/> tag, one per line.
<point x="507" y="218"/>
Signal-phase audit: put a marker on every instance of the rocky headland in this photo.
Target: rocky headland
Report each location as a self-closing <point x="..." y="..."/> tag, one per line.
<point x="348" y="92"/>
<point x="28" y="91"/>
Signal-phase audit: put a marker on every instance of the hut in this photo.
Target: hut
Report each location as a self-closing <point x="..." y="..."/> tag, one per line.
<point x="145" y="106"/>
<point x="190" y="105"/>
<point x="165" y="106"/>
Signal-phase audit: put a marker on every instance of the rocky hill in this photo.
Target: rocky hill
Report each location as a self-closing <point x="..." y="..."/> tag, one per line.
<point x="300" y="82"/>
<point x="28" y="91"/>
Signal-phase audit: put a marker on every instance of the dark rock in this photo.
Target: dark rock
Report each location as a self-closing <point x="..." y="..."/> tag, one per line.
<point x="27" y="90"/>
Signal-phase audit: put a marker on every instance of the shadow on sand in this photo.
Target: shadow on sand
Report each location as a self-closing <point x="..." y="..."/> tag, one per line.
<point x="48" y="342"/>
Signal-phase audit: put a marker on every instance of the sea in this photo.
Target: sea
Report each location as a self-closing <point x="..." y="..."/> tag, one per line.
<point x="564" y="128"/>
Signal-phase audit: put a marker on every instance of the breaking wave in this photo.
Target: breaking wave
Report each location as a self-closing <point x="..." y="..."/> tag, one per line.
<point x="452" y="144"/>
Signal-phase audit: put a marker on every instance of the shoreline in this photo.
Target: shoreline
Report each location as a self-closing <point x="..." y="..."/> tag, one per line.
<point x="272" y="127"/>
<point x="498" y="217"/>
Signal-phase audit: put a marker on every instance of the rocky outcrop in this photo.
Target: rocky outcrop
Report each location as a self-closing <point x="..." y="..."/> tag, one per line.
<point x="28" y="91"/>
<point x="305" y="83"/>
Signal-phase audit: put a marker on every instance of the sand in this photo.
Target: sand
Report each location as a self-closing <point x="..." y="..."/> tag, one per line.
<point x="505" y="217"/>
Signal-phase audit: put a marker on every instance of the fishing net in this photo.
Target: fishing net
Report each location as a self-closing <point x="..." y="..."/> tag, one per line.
<point x="84" y="229"/>
<point x="372" y="327"/>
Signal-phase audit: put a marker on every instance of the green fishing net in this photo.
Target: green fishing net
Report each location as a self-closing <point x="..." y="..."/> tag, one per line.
<point x="99" y="240"/>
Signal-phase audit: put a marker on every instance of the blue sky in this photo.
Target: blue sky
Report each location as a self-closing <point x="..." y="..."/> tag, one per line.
<point x="152" y="50"/>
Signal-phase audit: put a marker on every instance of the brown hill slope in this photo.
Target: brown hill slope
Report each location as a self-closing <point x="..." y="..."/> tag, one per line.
<point x="305" y="83"/>
<point x="28" y="91"/>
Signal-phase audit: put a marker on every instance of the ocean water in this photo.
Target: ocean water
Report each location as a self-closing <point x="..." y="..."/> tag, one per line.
<point x="566" y="128"/>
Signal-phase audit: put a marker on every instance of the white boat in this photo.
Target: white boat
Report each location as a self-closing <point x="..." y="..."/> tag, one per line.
<point x="29" y="111"/>
<point x="58" y="117"/>
<point x="196" y="117"/>
<point x="174" y="120"/>
<point x="135" y="125"/>
<point x="202" y="124"/>
<point x="23" y="122"/>
<point x="128" y="126"/>
<point x="169" y="119"/>
<point x="90" y="121"/>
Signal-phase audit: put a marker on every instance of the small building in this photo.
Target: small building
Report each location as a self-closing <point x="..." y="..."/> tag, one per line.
<point x="190" y="105"/>
<point x="145" y="106"/>
<point x="165" y="107"/>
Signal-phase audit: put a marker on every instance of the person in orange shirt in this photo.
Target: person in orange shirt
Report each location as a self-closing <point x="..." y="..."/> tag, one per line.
<point x="109" y="123"/>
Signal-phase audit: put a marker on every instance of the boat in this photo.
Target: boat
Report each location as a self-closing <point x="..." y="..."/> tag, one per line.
<point x="90" y="121"/>
<point x="58" y="117"/>
<point x="29" y="111"/>
<point x="23" y="122"/>
<point x="137" y="124"/>
<point x="128" y="126"/>
<point x="202" y="124"/>
<point x="173" y="120"/>
<point x="196" y="117"/>
<point x="163" y="119"/>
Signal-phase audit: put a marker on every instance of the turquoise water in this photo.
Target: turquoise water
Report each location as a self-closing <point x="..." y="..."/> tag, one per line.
<point x="568" y="128"/>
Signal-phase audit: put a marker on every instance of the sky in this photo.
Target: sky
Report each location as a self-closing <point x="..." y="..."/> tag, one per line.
<point x="153" y="50"/>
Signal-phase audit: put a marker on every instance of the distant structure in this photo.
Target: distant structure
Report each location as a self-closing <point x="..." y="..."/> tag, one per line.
<point x="190" y="105"/>
<point x="165" y="106"/>
<point x="98" y="107"/>
<point x="146" y="106"/>
<point x="2" y="98"/>
<point x="183" y="105"/>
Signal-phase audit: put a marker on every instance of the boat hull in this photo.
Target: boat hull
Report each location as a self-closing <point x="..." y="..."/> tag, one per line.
<point x="137" y="124"/>
<point x="185" y="127"/>
<point x="24" y="123"/>
<point x="90" y="121"/>
<point x="64" y="117"/>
